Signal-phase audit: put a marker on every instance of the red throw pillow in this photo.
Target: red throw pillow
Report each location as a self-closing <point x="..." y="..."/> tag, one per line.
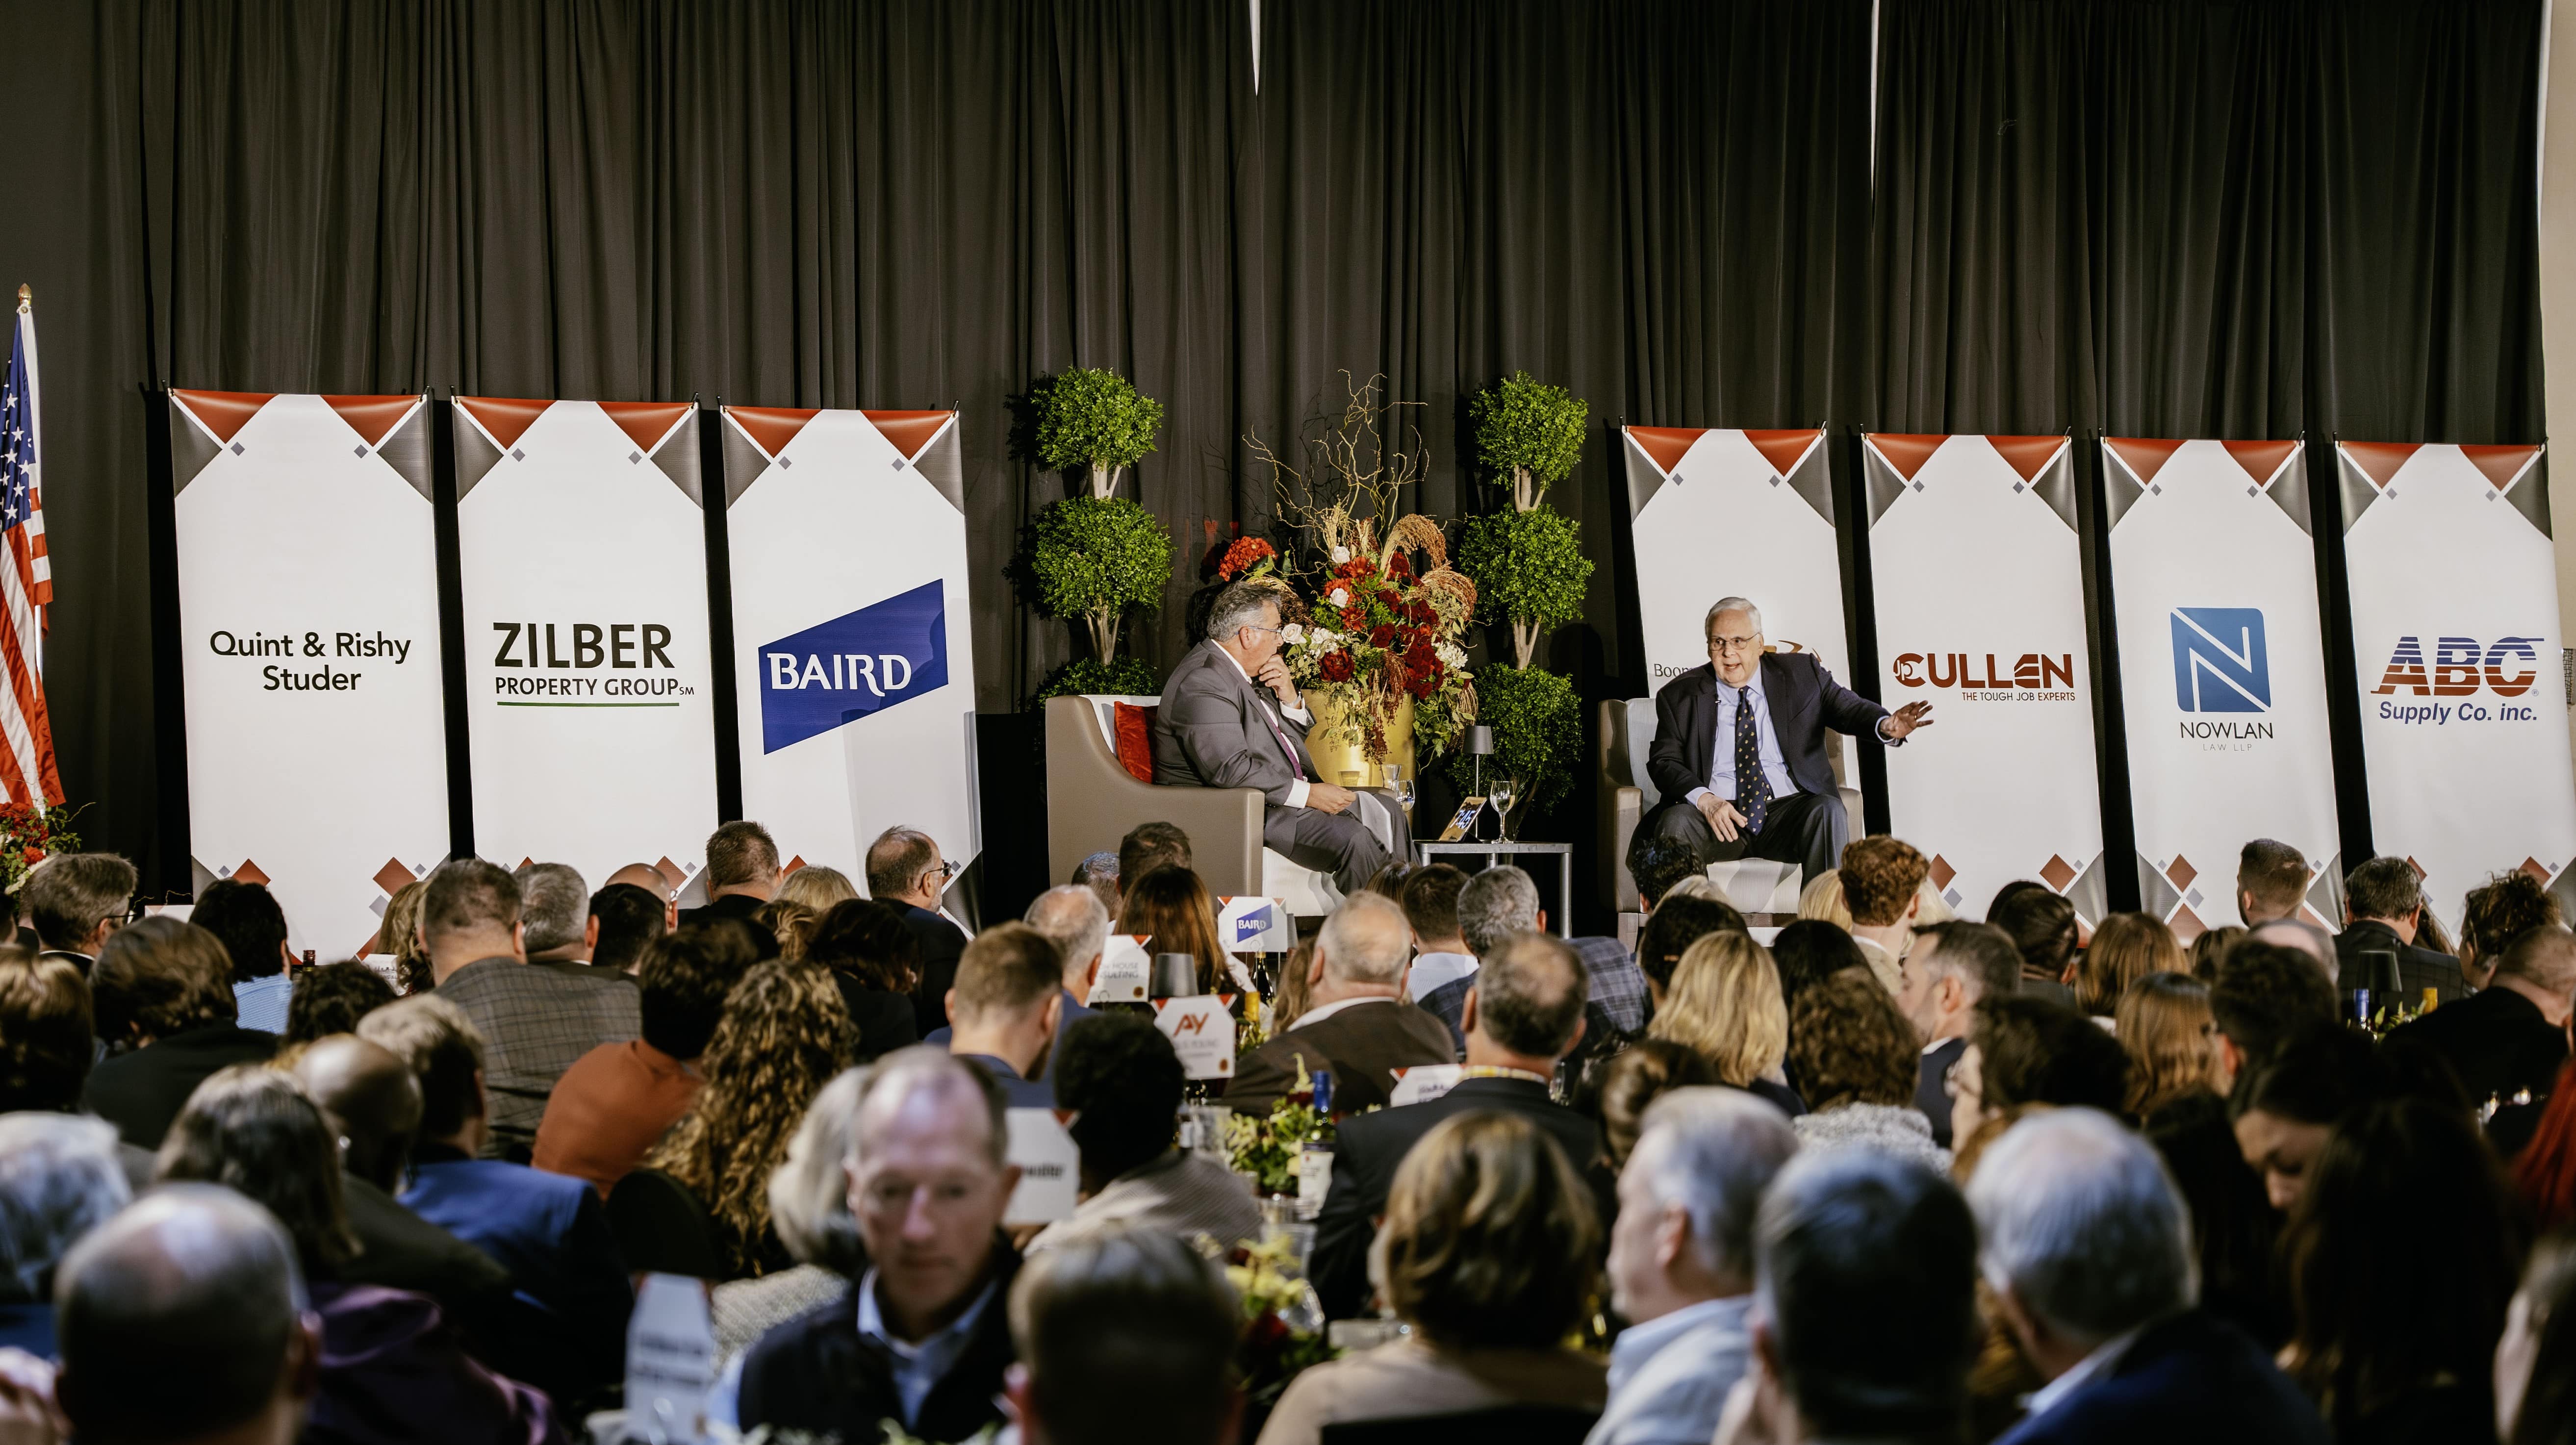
<point x="1136" y="739"/>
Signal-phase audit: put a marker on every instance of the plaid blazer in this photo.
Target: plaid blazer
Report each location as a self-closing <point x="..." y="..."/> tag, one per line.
<point x="536" y="1022"/>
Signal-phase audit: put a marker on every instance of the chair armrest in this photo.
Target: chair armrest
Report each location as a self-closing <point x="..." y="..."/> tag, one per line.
<point x="1621" y="810"/>
<point x="1093" y="801"/>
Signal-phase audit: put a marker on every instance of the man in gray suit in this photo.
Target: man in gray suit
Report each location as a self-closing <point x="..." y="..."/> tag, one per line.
<point x="1232" y="718"/>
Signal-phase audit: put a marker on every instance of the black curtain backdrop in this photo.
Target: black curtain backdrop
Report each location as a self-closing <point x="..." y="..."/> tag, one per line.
<point x="2159" y="217"/>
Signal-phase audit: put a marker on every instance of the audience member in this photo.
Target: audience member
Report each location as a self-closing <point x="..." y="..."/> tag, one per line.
<point x="2176" y="1092"/>
<point x="1857" y="1063"/>
<point x="2126" y="948"/>
<point x="1008" y="1004"/>
<point x="1124" y="1336"/>
<point x="1440" y="951"/>
<point x="535" y="1022"/>
<point x="1810" y="951"/>
<point x="2507" y="1043"/>
<point x="399" y="936"/>
<point x="2496" y="913"/>
<point x="1953" y="965"/>
<point x="1493" y="906"/>
<point x="817" y="887"/>
<point x="331" y="998"/>
<point x="1099" y="873"/>
<point x="184" y="1321"/>
<point x="789" y="924"/>
<point x="2042" y="924"/>
<point x="74" y="901"/>
<point x="741" y="873"/>
<point x="809" y="1207"/>
<point x="1725" y="1002"/>
<point x="624" y="920"/>
<point x="60" y="1178"/>
<point x="2535" y="1362"/>
<point x="2271" y="881"/>
<point x="245" y="918"/>
<point x="929" y="1341"/>
<point x="1669" y="932"/>
<point x="1356" y="1023"/>
<point x="650" y="877"/>
<point x="545" y="1229"/>
<point x="162" y="992"/>
<point x="1523" y="1015"/>
<point x="47" y="1040"/>
<point x="1071" y="918"/>
<point x="2025" y="1050"/>
<point x="1289" y="998"/>
<point x="1488" y="1251"/>
<point x="2209" y="951"/>
<point x="1149" y="846"/>
<point x="1172" y="909"/>
<point x="1882" y="882"/>
<point x="2285" y="1110"/>
<point x="618" y="1100"/>
<point x="1822" y="900"/>
<point x="783" y="1036"/>
<point x="1388" y="882"/>
<point x="1681" y="1263"/>
<point x="2398" y="1345"/>
<point x="2261" y="996"/>
<point x="875" y="960"/>
<point x="2165" y="1024"/>
<point x="1624" y="1088"/>
<point x="388" y="1369"/>
<point x="1657" y="863"/>
<point x="1864" y="1306"/>
<point x="2383" y="905"/>
<point x="906" y="871"/>
<point x="1121" y="1082"/>
<point x="554" y="908"/>
<point x="2086" y="1246"/>
<point x="2301" y="936"/>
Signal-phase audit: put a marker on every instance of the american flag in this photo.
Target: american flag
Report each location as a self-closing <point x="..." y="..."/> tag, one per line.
<point x="26" y="581"/>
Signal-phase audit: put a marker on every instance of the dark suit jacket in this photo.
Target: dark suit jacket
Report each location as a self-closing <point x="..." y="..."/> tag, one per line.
<point x="400" y="1250"/>
<point x="885" y="1020"/>
<point x="2498" y="1044"/>
<point x="941" y="943"/>
<point x="1931" y="1093"/>
<point x="817" y="1374"/>
<point x="1369" y="1147"/>
<point x="549" y="1232"/>
<point x="1075" y="1011"/>
<point x="141" y="1092"/>
<point x="2417" y="968"/>
<point x="1363" y="1045"/>
<point x="1804" y="700"/>
<point x="732" y="905"/>
<point x="2192" y="1378"/>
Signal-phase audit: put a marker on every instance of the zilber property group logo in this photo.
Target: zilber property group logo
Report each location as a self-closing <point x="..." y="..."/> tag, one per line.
<point x="2461" y="668"/>
<point x="855" y="665"/>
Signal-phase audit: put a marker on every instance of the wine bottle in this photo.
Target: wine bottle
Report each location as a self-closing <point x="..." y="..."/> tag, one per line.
<point x="1315" y="1151"/>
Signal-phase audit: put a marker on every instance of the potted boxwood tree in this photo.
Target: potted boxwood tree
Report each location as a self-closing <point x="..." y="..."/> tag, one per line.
<point x="1094" y="419"/>
<point x="1091" y="558"/>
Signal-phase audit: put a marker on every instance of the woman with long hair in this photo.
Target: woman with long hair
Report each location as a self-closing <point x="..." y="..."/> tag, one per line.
<point x="2165" y="1024"/>
<point x="875" y="961"/>
<point x="400" y="936"/>
<point x="2043" y="928"/>
<point x="817" y="887"/>
<point x="1725" y="1003"/>
<point x="2126" y="948"/>
<point x="785" y="1035"/>
<point x="1174" y="910"/>
<point x="1859" y="1062"/>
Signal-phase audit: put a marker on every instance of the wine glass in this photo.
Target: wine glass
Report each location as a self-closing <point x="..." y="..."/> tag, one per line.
<point x="1400" y="785"/>
<point x="1505" y="789"/>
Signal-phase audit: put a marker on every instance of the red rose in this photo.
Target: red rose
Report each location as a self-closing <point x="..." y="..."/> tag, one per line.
<point x="1422" y="613"/>
<point x="1420" y="656"/>
<point x="1424" y="684"/>
<point x="1336" y="667"/>
<point x="1382" y="634"/>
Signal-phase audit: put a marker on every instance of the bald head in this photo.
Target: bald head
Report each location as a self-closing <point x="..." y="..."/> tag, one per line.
<point x="183" y="1318"/>
<point x="1366" y="941"/>
<point x="2305" y="937"/>
<point x="372" y="1095"/>
<point x="1075" y="920"/>
<point x="644" y="876"/>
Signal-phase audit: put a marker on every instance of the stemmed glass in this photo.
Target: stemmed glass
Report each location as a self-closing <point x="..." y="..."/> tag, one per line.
<point x="1400" y="785"/>
<point x="1504" y="790"/>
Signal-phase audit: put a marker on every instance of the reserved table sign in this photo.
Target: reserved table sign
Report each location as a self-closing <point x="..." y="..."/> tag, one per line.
<point x="1202" y="1033"/>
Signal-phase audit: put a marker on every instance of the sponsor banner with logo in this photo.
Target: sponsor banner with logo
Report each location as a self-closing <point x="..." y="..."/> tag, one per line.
<point x="852" y="648"/>
<point x="309" y="647"/>
<point x="1255" y="925"/>
<point x="2222" y="670"/>
<point x="1980" y="601"/>
<point x="588" y="691"/>
<point x="2455" y="645"/>
<point x="1719" y="513"/>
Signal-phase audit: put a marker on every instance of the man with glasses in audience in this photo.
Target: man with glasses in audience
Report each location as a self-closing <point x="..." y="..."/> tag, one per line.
<point x="74" y="901"/>
<point x="905" y="870"/>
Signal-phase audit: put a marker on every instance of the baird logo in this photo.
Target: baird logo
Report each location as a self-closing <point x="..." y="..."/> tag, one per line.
<point x="2460" y="666"/>
<point x="2220" y="662"/>
<point x="854" y="666"/>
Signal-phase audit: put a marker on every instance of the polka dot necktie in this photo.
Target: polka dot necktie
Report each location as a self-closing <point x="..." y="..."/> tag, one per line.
<point x="1752" y="788"/>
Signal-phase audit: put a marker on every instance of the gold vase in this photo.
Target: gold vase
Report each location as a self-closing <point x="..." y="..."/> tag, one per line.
<point x="1339" y="760"/>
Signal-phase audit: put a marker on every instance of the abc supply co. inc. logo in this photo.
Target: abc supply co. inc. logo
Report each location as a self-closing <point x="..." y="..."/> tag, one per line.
<point x="2222" y="664"/>
<point x="853" y="666"/>
<point x="1981" y="677"/>
<point x="2461" y="668"/>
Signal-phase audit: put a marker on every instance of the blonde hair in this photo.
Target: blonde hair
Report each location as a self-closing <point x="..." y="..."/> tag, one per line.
<point x="817" y="887"/>
<point x="1725" y="1002"/>
<point x="1822" y="898"/>
<point x="1932" y="907"/>
<point x="791" y="923"/>
<point x="2165" y="1023"/>
<point x="2126" y="948"/>
<point x="400" y="937"/>
<point x="1489" y="1235"/>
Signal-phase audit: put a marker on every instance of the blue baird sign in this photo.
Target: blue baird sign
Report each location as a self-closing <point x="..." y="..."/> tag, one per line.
<point x="857" y="664"/>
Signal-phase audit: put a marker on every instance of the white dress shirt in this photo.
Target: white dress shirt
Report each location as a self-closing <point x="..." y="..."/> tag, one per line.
<point x="2104" y="1356"/>
<point x="1430" y="970"/>
<point x="1318" y="1015"/>
<point x="1297" y="789"/>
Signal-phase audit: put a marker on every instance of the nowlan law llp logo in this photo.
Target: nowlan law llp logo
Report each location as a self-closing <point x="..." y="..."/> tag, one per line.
<point x="857" y="664"/>
<point x="2221" y="665"/>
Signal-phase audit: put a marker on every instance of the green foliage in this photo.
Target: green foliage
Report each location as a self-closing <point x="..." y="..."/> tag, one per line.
<point x="1089" y="555"/>
<point x="1527" y="566"/>
<point x="1124" y="677"/>
<point x="1538" y="731"/>
<point x="1523" y="422"/>
<point x="1093" y="418"/>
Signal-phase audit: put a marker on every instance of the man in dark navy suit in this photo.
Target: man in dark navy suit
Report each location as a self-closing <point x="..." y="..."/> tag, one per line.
<point x="1753" y="782"/>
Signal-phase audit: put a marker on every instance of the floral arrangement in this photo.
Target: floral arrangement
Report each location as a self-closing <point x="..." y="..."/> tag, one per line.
<point x="1283" y="1332"/>
<point x="1266" y="1149"/>
<point x="28" y="835"/>
<point x="1381" y="630"/>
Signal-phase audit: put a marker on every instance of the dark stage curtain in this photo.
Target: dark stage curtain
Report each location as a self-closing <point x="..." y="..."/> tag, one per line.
<point x="2149" y="215"/>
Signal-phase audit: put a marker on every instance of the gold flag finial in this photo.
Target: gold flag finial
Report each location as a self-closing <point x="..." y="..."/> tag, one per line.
<point x="24" y="295"/>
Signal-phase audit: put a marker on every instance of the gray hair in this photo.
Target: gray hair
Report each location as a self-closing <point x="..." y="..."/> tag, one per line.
<point x="69" y="894"/>
<point x="1494" y="905"/>
<point x="1238" y="606"/>
<point x="59" y="1180"/>
<point x="1073" y="918"/>
<point x="554" y="904"/>
<point x="1713" y="1151"/>
<point x="1366" y="940"/>
<point x="809" y="1194"/>
<point x="2078" y="1218"/>
<point x="1099" y="873"/>
<point x="1725" y="605"/>
<point x="930" y="1068"/>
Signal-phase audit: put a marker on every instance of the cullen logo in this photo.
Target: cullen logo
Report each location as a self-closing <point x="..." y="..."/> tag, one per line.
<point x="855" y="665"/>
<point x="2220" y="661"/>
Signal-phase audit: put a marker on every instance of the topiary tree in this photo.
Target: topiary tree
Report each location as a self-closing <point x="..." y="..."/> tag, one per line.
<point x="1089" y="559"/>
<point x="1087" y="676"/>
<point x="1094" y="419"/>
<point x="1529" y="431"/>
<point x="1538" y="731"/>
<point x="1529" y="569"/>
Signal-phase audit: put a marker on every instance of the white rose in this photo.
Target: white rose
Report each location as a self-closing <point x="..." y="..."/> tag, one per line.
<point x="1292" y="634"/>
<point x="1341" y="597"/>
<point x="1341" y="555"/>
<point x="1450" y="654"/>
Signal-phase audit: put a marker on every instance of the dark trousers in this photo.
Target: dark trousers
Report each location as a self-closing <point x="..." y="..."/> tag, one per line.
<point x="1808" y="829"/>
<point x="1337" y="843"/>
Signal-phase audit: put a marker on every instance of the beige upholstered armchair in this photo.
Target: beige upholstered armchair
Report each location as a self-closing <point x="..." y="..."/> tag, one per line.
<point x="1093" y="801"/>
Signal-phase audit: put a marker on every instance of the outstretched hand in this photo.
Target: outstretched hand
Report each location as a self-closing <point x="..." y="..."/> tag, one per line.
<point x="1907" y="718"/>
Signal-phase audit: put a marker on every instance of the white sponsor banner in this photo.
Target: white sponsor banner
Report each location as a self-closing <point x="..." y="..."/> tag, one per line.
<point x="309" y="645"/>
<point x="2222" y="670"/>
<point x="853" y="653"/>
<point x="2455" y="644"/>
<point x="589" y="698"/>
<point x="1980" y="599"/>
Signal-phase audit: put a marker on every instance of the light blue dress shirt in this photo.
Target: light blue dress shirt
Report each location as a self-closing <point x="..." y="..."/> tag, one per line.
<point x="261" y="1003"/>
<point x="917" y="1367"/>
<point x="1721" y="773"/>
